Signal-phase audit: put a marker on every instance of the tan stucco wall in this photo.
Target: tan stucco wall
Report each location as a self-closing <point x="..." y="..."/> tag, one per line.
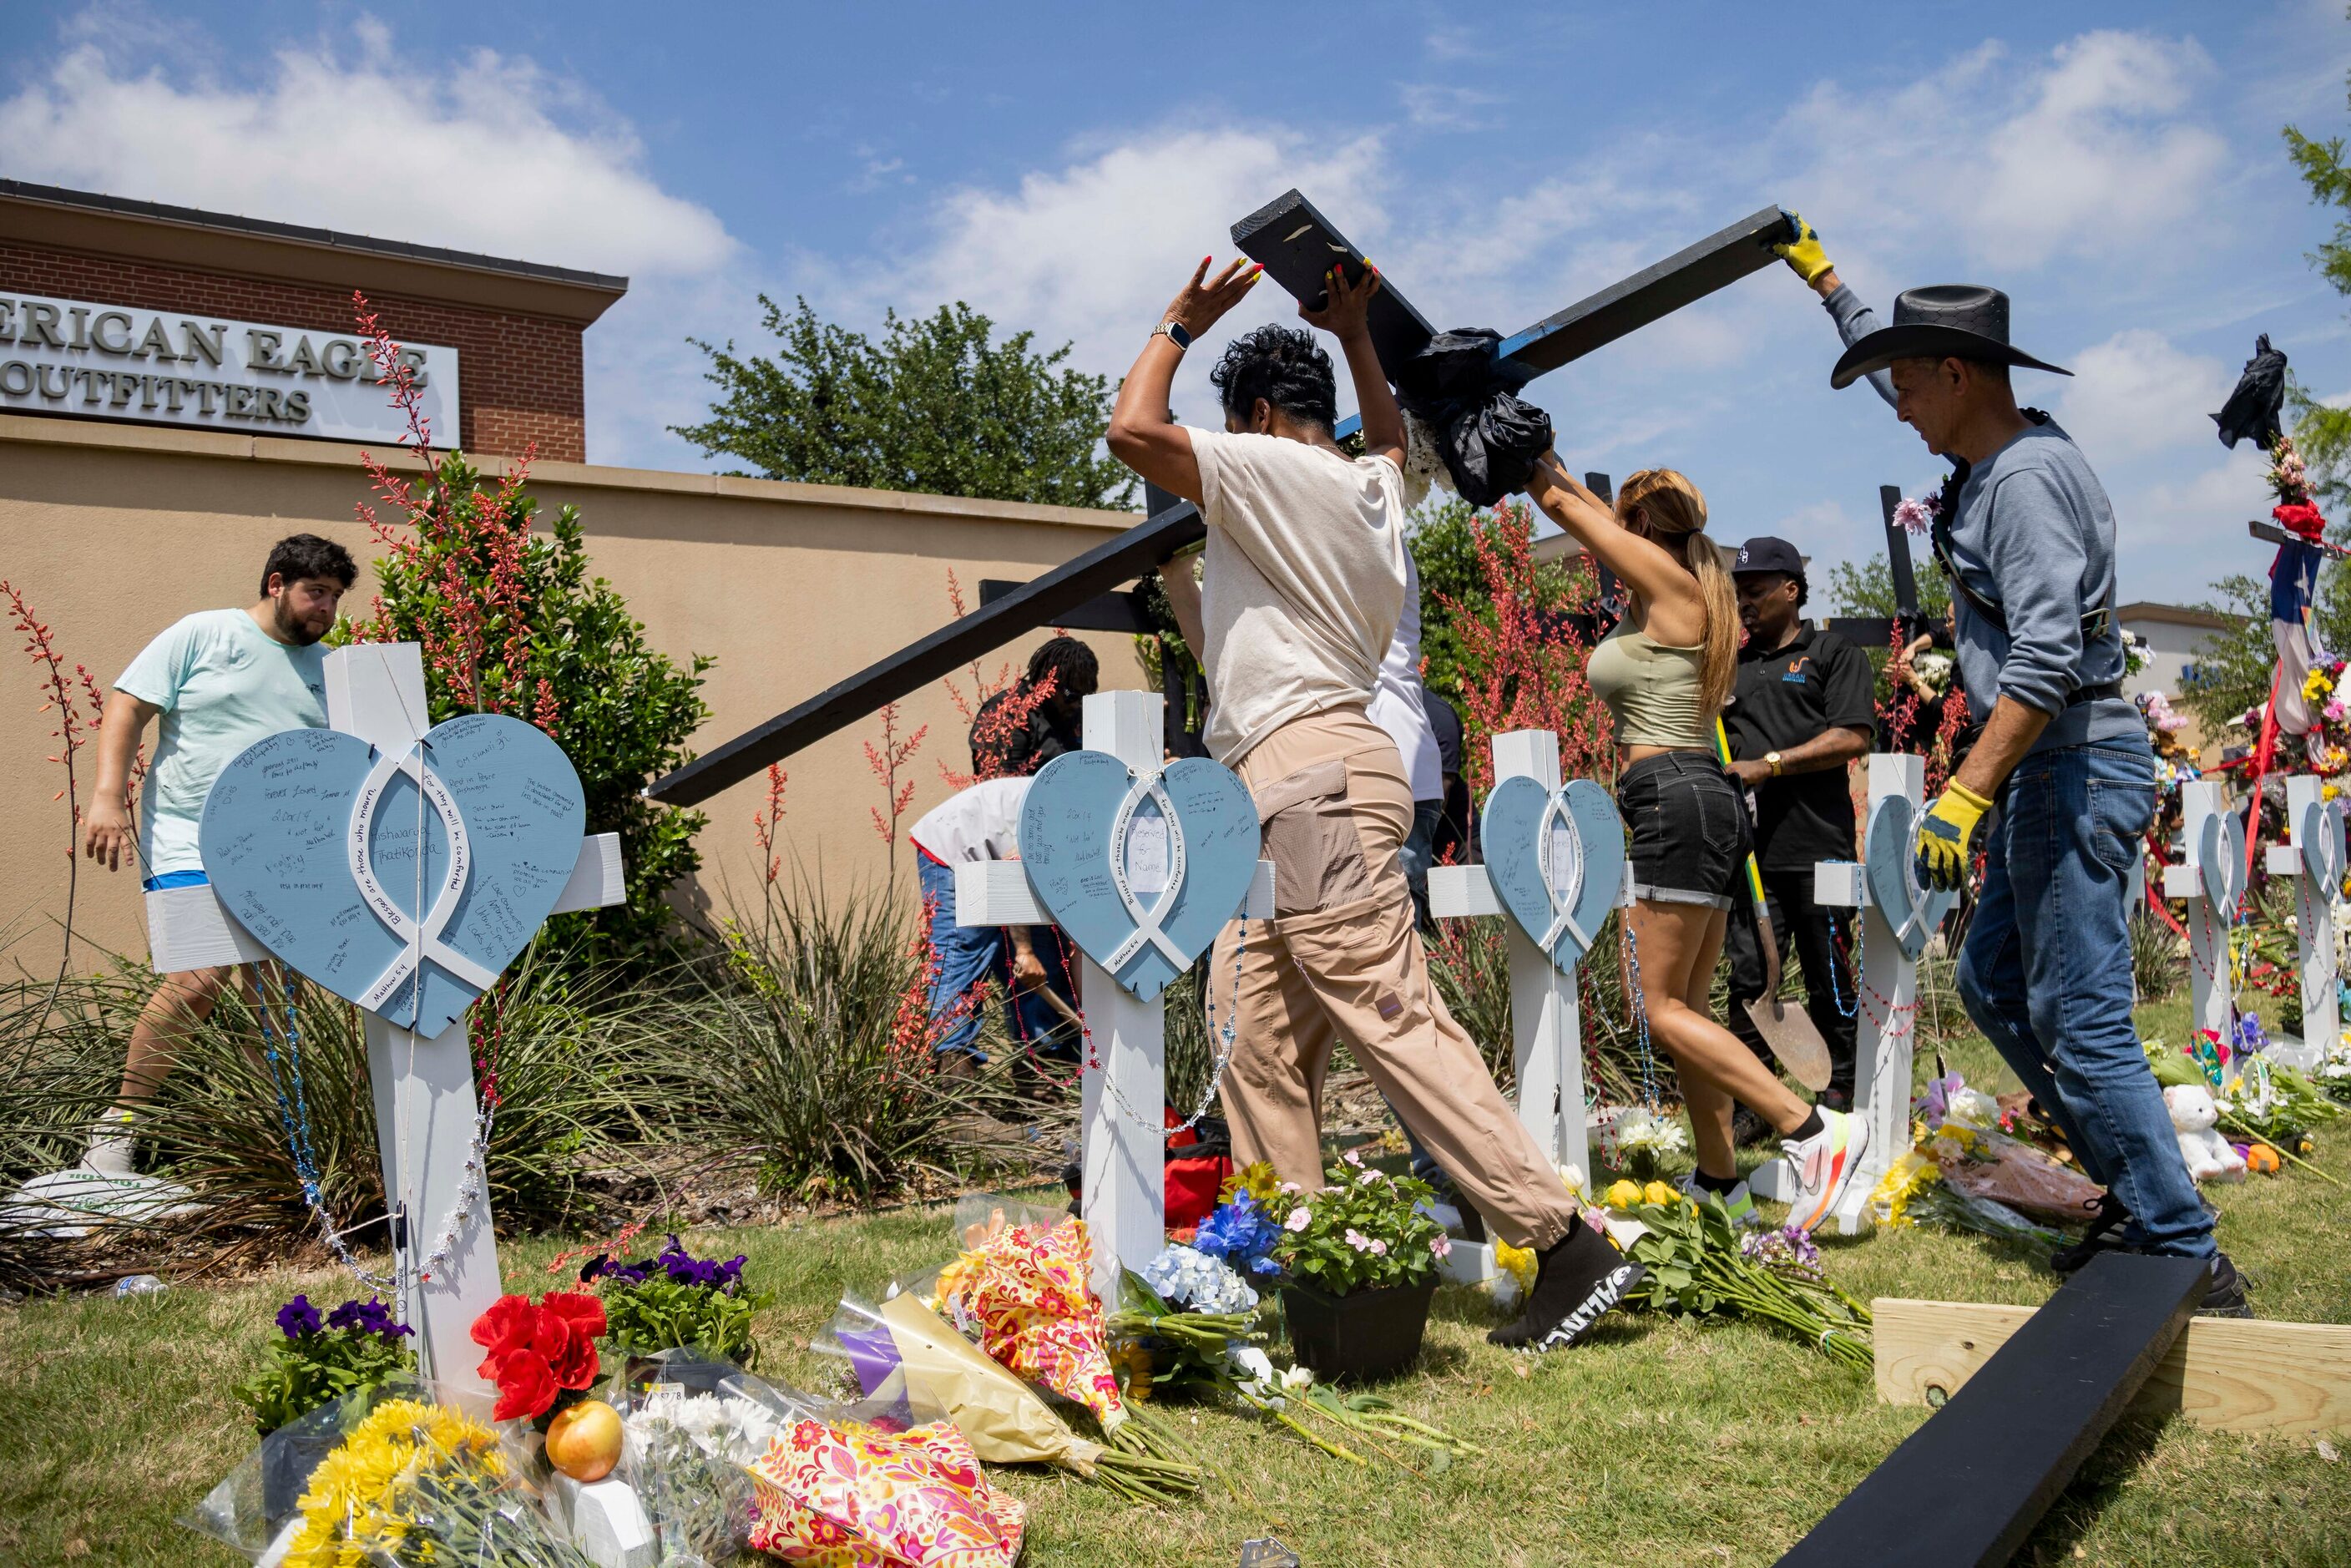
<point x="113" y="532"/>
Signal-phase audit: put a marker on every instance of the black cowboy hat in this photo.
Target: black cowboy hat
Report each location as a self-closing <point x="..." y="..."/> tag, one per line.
<point x="1945" y="320"/>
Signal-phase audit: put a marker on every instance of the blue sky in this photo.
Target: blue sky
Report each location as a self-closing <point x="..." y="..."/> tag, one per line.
<point x="2117" y="168"/>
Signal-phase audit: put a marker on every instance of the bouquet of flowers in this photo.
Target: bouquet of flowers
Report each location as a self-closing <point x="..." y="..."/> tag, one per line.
<point x="542" y="1355"/>
<point x="1639" y="1142"/>
<point x="837" y="1491"/>
<point x="1698" y="1265"/>
<point x="1367" y="1230"/>
<point x="691" y="1429"/>
<point x="674" y="1299"/>
<point x="1024" y="1288"/>
<point x="319" y="1358"/>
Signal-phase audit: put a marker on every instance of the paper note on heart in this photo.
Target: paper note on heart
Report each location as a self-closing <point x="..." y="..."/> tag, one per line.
<point x="2319" y="836"/>
<point x="1891" y="863"/>
<point x="311" y="840"/>
<point x="1084" y="804"/>
<point x="2220" y="862"/>
<point x="1556" y="860"/>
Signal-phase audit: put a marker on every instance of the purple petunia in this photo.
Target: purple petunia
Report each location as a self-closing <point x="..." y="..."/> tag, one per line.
<point x="675" y="1263"/>
<point x="370" y="1316"/>
<point x="297" y="1317"/>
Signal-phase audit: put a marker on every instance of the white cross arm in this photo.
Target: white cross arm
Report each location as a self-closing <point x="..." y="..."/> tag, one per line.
<point x="1839" y="884"/>
<point x="1456" y="892"/>
<point x="2284" y="859"/>
<point x="997" y="893"/>
<point x="2183" y="880"/>
<point x="189" y="928"/>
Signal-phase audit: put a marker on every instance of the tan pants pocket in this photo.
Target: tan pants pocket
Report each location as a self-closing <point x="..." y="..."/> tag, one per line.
<point x="1311" y="837"/>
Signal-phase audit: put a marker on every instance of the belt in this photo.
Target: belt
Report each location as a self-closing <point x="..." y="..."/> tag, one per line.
<point x="2084" y="696"/>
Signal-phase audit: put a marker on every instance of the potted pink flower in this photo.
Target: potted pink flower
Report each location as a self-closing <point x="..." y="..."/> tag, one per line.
<point x="1359" y="1261"/>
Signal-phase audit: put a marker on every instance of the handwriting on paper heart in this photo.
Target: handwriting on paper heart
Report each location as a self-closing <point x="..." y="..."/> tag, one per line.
<point x="312" y="841"/>
<point x="1890" y="863"/>
<point x="1556" y="860"/>
<point x="1086" y="830"/>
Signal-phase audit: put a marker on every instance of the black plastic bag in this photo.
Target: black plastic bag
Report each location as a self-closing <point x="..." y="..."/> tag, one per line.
<point x="1488" y="438"/>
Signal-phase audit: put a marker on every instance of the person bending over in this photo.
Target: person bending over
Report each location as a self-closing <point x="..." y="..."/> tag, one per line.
<point x="1001" y="746"/>
<point x="219" y="680"/>
<point x="1664" y="673"/>
<point x="2026" y="537"/>
<point x="1304" y="582"/>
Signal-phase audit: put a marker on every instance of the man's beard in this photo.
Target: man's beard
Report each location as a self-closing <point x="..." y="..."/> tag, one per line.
<point x="291" y="627"/>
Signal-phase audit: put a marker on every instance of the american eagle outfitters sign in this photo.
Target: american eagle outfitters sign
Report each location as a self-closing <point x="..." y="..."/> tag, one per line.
<point x="164" y="367"/>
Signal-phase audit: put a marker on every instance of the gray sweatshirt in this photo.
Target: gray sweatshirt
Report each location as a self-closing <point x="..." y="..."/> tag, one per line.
<point x="2034" y="534"/>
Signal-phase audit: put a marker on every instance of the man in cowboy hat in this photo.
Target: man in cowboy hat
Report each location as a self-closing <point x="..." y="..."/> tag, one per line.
<point x="2025" y="533"/>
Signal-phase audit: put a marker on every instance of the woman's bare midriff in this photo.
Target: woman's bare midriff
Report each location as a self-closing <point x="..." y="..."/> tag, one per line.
<point x="1628" y="754"/>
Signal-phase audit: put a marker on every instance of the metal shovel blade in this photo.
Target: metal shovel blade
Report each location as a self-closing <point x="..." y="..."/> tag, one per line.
<point x="1794" y="1039"/>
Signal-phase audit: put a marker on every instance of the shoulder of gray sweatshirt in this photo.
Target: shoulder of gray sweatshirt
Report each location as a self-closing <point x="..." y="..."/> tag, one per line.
<point x="2034" y="534"/>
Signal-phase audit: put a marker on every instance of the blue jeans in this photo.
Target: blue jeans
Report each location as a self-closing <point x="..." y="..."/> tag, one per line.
<point x="2047" y="976"/>
<point x="968" y="955"/>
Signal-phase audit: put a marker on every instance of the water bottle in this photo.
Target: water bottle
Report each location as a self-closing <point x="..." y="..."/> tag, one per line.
<point x="138" y="1285"/>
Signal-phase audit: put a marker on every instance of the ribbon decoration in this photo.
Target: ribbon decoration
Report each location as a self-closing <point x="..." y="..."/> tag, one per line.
<point x="1564" y="891"/>
<point x="419" y="939"/>
<point x="1146" y="785"/>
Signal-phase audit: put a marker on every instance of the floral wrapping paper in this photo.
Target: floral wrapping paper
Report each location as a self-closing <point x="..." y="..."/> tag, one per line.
<point x="853" y="1497"/>
<point x="1026" y="1289"/>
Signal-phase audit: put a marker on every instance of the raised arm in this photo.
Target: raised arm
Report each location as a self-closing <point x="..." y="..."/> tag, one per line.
<point x="1854" y="320"/>
<point x="1678" y="613"/>
<point x="1345" y="314"/>
<point x="1143" y="433"/>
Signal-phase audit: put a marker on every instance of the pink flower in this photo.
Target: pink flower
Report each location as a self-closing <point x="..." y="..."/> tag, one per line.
<point x="1379" y="1248"/>
<point x="1353" y="1158"/>
<point x="1916" y="516"/>
<point x="1357" y="1239"/>
<point x="2334" y="710"/>
<point x="1440" y="1246"/>
<point x="1299" y="1218"/>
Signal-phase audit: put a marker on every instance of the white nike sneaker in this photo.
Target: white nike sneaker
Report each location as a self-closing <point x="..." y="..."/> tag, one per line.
<point x="110" y="1144"/>
<point x="1824" y="1166"/>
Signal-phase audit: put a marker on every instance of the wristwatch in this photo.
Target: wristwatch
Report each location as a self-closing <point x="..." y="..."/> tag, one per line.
<point x="1173" y="332"/>
<point x="1772" y="760"/>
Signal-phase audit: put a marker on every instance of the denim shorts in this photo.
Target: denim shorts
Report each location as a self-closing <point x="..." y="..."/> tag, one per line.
<point x="1690" y="834"/>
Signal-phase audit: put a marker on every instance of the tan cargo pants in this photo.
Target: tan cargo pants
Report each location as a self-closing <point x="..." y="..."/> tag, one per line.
<point x="1340" y="960"/>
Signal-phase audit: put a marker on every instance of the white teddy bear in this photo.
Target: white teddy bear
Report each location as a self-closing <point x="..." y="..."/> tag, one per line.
<point x="2193" y="1117"/>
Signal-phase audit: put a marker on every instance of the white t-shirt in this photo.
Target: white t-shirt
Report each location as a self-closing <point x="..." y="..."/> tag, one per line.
<point x="1396" y="703"/>
<point x="1304" y="580"/>
<point x="223" y="684"/>
<point x="981" y="823"/>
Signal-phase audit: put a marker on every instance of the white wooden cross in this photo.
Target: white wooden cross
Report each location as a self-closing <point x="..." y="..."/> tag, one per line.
<point x="1886" y="1005"/>
<point x="2307" y="811"/>
<point x="2208" y="828"/>
<point x="1546" y="1020"/>
<point x="376" y="691"/>
<point x="1121" y="1162"/>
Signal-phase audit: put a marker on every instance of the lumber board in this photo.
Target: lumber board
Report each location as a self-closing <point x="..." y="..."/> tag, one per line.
<point x="1657" y="291"/>
<point x="1034" y="604"/>
<point x="1120" y="609"/>
<point x="1296" y="246"/>
<point x="2231" y="1374"/>
<point x="1966" y="1486"/>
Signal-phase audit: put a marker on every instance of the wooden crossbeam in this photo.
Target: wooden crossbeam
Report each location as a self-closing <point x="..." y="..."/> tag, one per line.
<point x="2231" y="1374"/>
<point x="1120" y="609"/>
<point x="1965" y="1489"/>
<point x="1296" y="246"/>
<point x="1654" y="292"/>
<point x="2275" y="535"/>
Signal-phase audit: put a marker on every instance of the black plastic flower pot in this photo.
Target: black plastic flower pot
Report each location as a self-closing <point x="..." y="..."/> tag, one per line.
<point x="1361" y="1336"/>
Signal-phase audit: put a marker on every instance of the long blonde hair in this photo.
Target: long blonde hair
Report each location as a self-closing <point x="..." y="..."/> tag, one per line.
<point x="1675" y="514"/>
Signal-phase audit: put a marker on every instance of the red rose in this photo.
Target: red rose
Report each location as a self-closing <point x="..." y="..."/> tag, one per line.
<point x="527" y="1388"/>
<point x="584" y="1314"/>
<point x="506" y="1326"/>
<point x="574" y="1367"/>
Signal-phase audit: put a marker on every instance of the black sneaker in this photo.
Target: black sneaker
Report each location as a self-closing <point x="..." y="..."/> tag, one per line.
<point x="1748" y="1130"/>
<point x="2224" y="1297"/>
<point x="2105" y="1234"/>
<point x="1578" y="1281"/>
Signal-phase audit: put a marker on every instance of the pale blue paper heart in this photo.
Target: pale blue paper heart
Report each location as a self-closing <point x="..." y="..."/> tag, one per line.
<point x="2220" y="862"/>
<point x="1065" y="847"/>
<point x="1891" y="865"/>
<point x="275" y="838"/>
<point x="1590" y="834"/>
<point x="2320" y="837"/>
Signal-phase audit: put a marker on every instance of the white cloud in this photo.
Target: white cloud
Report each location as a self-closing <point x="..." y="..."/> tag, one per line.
<point x="488" y="153"/>
<point x="1438" y="106"/>
<point x="2135" y="393"/>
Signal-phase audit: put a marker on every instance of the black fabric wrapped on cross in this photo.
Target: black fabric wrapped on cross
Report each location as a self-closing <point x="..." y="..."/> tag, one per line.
<point x="1462" y="388"/>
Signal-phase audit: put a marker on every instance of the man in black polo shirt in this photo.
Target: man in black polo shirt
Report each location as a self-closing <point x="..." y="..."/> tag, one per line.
<point x="1805" y="706"/>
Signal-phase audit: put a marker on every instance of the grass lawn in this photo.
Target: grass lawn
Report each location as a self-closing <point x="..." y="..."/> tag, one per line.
<point x="1655" y="1441"/>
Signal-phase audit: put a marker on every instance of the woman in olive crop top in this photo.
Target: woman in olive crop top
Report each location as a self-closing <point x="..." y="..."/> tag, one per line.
<point x="1666" y="673"/>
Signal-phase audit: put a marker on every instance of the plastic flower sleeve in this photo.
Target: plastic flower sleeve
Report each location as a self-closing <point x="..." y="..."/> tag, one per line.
<point x="255" y="1505"/>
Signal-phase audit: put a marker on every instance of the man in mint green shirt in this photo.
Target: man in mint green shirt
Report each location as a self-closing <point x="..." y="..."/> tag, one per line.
<point x="219" y="680"/>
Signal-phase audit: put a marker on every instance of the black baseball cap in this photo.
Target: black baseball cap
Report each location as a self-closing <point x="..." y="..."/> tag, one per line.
<point x="1767" y="554"/>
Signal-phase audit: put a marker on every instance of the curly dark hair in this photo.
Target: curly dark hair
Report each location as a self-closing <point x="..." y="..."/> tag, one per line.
<point x="1076" y="672"/>
<point x="299" y="556"/>
<point x="1283" y="365"/>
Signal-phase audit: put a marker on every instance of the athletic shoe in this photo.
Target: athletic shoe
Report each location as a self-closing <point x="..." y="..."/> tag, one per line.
<point x="1824" y="1166"/>
<point x="2105" y="1233"/>
<point x="1738" y="1202"/>
<point x="1748" y="1130"/>
<point x="2224" y="1297"/>
<point x="1578" y="1281"/>
<point x="110" y="1144"/>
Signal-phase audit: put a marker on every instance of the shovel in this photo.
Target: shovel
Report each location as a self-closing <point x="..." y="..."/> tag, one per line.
<point x="1789" y="1031"/>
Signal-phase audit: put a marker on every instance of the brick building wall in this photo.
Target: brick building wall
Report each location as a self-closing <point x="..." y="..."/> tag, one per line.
<point x="520" y="376"/>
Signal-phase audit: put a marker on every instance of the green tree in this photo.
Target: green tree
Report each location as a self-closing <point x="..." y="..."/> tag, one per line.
<point x="1444" y="545"/>
<point x="1867" y="589"/>
<point x="937" y="405"/>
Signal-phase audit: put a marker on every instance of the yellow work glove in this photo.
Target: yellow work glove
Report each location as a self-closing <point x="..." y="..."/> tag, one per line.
<point x="1804" y="254"/>
<point x="1943" y="836"/>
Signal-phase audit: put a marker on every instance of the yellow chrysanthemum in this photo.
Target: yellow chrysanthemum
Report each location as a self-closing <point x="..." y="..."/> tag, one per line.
<point x="1518" y="1263"/>
<point x="1904" y="1180"/>
<point x="1623" y="1195"/>
<point x="2315" y="685"/>
<point x="350" y="1508"/>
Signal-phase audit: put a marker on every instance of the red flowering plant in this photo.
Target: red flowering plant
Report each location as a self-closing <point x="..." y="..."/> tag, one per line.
<point x="541" y="1355"/>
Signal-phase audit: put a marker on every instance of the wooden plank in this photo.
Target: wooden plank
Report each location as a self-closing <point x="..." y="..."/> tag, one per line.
<point x="1120" y="609"/>
<point x="1298" y="246"/>
<point x="1035" y="603"/>
<point x="1689" y="275"/>
<point x="2269" y="533"/>
<point x="1965" y="1489"/>
<point x="2232" y="1374"/>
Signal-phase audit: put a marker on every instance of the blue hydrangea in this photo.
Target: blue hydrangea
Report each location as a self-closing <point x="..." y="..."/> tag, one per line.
<point x="1240" y="1232"/>
<point x="1188" y="1278"/>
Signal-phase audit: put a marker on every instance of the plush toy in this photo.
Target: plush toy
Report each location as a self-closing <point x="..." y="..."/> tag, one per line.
<point x="2263" y="1158"/>
<point x="2193" y="1117"/>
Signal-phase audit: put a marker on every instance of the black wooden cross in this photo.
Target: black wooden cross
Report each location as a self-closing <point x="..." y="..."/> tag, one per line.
<point x="1298" y="246"/>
